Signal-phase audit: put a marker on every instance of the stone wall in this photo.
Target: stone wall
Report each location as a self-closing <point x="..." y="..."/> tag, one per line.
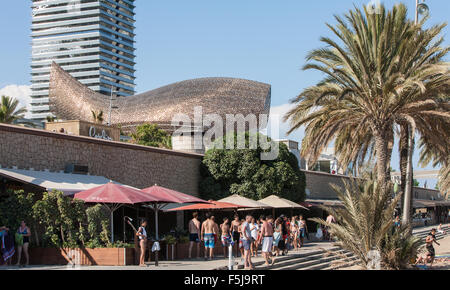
<point x="318" y="184"/>
<point x="130" y="164"/>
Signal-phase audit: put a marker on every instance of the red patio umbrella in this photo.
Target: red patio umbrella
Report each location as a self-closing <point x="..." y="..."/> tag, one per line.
<point x="113" y="196"/>
<point x="213" y="205"/>
<point x="166" y="196"/>
<point x="172" y="195"/>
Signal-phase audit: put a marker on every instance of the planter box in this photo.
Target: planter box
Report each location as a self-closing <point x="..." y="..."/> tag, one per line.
<point x="84" y="257"/>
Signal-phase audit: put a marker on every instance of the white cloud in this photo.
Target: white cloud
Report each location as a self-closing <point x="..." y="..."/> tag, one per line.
<point x="20" y="92"/>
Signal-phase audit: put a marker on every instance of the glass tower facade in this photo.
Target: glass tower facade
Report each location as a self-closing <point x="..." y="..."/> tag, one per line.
<point x="93" y="40"/>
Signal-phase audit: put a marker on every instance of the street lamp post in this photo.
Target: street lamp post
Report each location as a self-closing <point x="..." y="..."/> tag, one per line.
<point x="421" y="9"/>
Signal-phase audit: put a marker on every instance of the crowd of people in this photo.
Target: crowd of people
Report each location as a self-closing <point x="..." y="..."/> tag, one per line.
<point x="272" y="236"/>
<point x="10" y="241"/>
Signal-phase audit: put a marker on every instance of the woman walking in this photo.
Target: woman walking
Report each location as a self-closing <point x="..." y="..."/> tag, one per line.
<point x="6" y="246"/>
<point x="254" y="229"/>
<point x="142" y="234"/>
<point x="277" y="236"/>
<point x="303" y="230"/>
<point x="23" y="233"/>
<point x="294" y="233"/>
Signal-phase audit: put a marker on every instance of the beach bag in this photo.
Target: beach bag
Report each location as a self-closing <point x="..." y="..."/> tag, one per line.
<point x="19" y="239"/>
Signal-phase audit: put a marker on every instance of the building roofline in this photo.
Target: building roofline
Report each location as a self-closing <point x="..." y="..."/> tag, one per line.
<point x="43" y="133"/>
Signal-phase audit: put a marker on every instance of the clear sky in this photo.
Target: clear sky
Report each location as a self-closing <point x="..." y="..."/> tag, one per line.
<point x="262" y="40"/>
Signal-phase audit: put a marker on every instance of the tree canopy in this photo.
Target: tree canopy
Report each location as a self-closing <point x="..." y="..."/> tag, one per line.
<point x="241" y="171"/>
<point x="152" y="135"/>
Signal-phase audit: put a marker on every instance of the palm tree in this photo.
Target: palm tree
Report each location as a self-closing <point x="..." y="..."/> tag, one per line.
<point x="387" y="72"/>
<point x="429" y="154"/>
<point x="97" y="117"/>
<point x="365" y="223"/>
<point x="50" y="119"/>
<point x="9" y="111"/>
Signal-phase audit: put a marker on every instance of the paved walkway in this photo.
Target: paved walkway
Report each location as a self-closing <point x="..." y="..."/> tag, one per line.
<point x="197" y="265"/>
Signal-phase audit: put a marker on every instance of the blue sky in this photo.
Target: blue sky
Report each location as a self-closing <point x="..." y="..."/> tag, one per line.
<point x="262" y="40"/>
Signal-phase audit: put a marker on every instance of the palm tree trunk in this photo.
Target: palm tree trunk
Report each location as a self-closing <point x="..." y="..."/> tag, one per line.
<point x="403" y="151"/>
<point x="381" y="147"/>
<point x="407" y="201"/>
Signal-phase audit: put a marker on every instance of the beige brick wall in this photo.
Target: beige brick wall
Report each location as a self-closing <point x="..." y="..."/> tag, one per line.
<point x="318" y="184"/>
<point x="129" y="164"/>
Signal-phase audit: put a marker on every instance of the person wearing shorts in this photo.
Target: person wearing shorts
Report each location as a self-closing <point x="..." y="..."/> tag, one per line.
<point x="235" y="224"/>
<point x="226" y="236"/>
<point x="209" y="228"/>
<point x="431" y="238"/>
<point x="247" y="242"/>
<point x="266" y="239"/>
<point x="194" y="232"/>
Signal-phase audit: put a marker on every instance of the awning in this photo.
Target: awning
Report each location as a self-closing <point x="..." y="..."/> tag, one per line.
<point x="67" y="183"/>
<point x="213" y="205"/>
<point x="278" y="202"/>
<point x="422" y="203"/>
<point x="325" y="202"/>
<point x="245" y="202"/>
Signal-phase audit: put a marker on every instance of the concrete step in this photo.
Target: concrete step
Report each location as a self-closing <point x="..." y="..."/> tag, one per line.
<point x="348" y="263"/>
<point x="290" y="257"/>
<point x="324" y="260"/>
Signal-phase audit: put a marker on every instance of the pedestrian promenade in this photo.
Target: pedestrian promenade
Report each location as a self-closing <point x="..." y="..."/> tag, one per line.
<point x="219" y="263"/>
<point x="195" y="264"/>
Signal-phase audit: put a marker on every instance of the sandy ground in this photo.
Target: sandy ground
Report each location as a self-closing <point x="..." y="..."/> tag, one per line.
<point x="441" y="263"/>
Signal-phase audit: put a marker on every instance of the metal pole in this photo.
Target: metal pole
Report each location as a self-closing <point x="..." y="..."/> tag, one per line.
<point x="417" y="12"/>
<point x="230" y="257"/>
<point x="124" y="234"/>
<point x="156" y="234"/>
<point x="112" y="227"/>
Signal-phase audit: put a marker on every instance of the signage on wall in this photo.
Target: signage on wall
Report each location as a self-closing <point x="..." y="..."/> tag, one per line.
<point x="102" y="135"/>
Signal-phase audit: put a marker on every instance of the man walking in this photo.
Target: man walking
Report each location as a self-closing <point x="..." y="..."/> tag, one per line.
<point x="194" y="234"/>
<point x="235" y="225"/>
<point x="226" y="236"/>
<point x="431" y="238"/>
<point x="267" y="240"/>
<point x="209" y="228"/>
<point x="246" y="243"/>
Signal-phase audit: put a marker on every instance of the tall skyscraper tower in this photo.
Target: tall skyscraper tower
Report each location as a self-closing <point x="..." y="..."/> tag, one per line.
<point x="93" y="40"/>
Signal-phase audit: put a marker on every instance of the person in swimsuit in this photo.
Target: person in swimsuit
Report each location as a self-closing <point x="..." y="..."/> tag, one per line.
<point x="7" y="249"/>
<point x="142" y="234"/>
<point x="246" y="238"/>
<point x="24" y="230"/>
<point x="235" y="224"/>
<point x="266" y="239"/>
<point x="226" y="236"/>
<point x="194" y="234"/>
<point x="216" y="231"/>
<point x="254" y="229"/>
<point x="330" y="220"/>
<point x="209" y="228"/>
<point x="277" y="235"/>
<point x="303" y="230"/>
<point x="241" y="243"/>
<point x="294" y="233"/>
<point x="431" y="238"/>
